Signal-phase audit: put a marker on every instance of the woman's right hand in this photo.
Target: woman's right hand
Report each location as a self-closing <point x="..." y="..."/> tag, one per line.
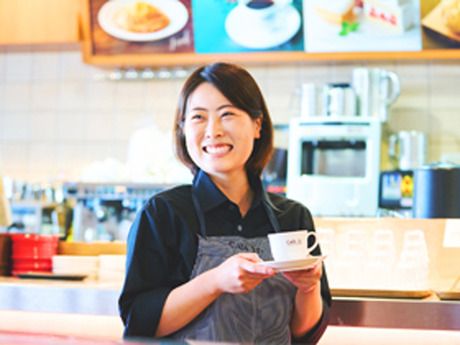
<point x="241" y="273"/>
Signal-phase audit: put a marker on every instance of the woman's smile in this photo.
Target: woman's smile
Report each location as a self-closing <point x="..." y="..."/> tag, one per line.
<point x="217" y="149"/>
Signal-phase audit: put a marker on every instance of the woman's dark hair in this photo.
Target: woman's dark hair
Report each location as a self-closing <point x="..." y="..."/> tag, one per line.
<point x="240" y="88"/>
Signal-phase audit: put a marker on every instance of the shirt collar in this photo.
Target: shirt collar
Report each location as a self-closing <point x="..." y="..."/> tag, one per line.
<point x="209" y="196"/>
<point x="207" y="193"/>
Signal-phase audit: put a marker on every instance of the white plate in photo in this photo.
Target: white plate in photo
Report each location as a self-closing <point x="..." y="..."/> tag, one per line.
<point x="294" y="265"/>
<point x="109" y="19"/>
<point x="266" y="33"/>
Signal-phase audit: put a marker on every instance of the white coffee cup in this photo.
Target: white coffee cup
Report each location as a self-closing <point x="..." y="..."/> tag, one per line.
<point x="291" y="245"/>
<point x="262" y="9"/>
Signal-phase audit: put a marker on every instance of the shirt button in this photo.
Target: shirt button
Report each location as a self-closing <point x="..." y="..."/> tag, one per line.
<point x="239" y="228"/>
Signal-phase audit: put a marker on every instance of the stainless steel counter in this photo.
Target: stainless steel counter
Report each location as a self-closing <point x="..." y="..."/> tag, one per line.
<point x="93" y="298"/>
<point x="396" y="313"/>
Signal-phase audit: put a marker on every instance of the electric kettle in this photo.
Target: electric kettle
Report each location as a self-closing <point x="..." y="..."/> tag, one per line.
<point x="376" y="90"/>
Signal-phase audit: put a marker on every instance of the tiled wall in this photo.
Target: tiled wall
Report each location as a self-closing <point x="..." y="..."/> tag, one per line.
<point x="57" y="116"/>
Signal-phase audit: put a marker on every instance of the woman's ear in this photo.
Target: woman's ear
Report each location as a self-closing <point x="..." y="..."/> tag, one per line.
<point x="258" y="127"/>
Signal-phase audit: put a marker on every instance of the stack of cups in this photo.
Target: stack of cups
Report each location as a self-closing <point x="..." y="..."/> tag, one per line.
<point x="381" y="261"/>
<point x="413" y="264"/>
<point x="351" y="255"/>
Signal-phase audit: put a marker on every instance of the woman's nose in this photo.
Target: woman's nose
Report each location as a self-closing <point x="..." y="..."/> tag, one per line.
<point x="214" y="128"/>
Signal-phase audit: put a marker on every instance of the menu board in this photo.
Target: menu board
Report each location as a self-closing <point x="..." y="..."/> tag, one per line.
<point x="131" y="28"/>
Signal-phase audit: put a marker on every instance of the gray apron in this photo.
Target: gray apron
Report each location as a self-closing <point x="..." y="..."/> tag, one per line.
<point x="260" y="316"/>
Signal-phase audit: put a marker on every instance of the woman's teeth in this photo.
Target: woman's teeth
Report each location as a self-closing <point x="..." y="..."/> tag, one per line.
<point x="217" y="149"/>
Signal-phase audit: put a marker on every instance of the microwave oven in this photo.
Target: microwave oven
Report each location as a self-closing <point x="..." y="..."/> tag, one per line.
<point x="333" y="166"/>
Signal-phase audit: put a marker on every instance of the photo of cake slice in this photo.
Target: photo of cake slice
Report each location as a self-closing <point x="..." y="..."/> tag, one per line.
<point x="336" y="11"/>
<point x="393" y="16"/>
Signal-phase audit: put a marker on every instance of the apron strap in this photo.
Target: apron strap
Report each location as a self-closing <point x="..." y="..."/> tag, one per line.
<point x="200" y="215"/>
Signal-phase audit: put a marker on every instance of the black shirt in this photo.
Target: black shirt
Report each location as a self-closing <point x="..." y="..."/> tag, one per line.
<point x="162" y="244"/>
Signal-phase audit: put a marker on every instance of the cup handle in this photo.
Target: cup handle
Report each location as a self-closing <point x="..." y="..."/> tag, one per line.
<point x="310" y="249"/>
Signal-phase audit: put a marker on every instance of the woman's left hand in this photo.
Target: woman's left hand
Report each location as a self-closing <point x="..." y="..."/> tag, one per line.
<point x="305" y="280"/>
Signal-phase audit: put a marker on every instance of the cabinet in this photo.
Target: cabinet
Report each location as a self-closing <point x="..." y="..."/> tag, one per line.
<point x="39" y="21"/>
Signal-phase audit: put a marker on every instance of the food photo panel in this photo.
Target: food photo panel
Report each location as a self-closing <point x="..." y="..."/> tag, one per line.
<point x="141" y="26"/>
<point x="226" y="26"/>
<point x="362" y="25"/>
<point x="441" y="24"/>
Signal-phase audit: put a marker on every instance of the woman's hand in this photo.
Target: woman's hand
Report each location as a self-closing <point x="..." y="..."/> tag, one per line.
<point x="305" y="280"/>
<point x="241" y="273"/>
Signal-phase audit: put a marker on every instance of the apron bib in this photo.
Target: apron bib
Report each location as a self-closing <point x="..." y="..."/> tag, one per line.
<point x="260" y="316"/>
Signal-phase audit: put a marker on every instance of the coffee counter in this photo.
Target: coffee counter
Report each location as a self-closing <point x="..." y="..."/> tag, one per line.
<point x="90" y="308"/>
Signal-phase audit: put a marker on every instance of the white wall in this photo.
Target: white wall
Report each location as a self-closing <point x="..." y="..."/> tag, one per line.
<point x="56" y="116"/>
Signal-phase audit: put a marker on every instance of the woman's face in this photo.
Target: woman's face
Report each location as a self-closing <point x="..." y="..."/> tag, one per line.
<point x="219" y="137"/>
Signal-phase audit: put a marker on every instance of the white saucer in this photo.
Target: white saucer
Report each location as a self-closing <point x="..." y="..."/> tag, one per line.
<point x="174" y="10"/>
<point x="294" y="265"/>
<point x="267" y="34"/>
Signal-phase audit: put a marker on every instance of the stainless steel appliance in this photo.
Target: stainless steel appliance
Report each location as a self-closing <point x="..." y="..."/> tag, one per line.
<point x="376" y="90"/>
<point x="339" y="99"/>
<point x="105" y="211"/>
<point x="333" y="166"/>
<point x="407" y="149"/>
<point x="437" y="191"/>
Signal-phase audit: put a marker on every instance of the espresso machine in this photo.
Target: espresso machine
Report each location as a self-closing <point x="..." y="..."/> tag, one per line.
<point x="105" y="211"/>
<point x="333" y="166"/>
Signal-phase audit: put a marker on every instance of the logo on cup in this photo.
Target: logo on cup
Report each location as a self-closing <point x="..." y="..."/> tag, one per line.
<point x="293" y="242"/>
<point x="292" y="245"/>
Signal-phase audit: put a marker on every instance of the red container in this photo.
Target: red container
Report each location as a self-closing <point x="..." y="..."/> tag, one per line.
<point x="33" y="252"/>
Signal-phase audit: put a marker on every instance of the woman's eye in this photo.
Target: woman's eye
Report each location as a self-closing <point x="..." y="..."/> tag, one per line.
<point x="227" y="113"/>
<point x="196" y="117"/>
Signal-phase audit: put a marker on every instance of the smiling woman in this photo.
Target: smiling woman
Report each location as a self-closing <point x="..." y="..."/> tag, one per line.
<point x="196" y="253"/>
<point x="219" y="136"/>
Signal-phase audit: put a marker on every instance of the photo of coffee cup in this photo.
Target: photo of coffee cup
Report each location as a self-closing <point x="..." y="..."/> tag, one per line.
<point x="262" y="9"/>
<point x="292" y="245"/>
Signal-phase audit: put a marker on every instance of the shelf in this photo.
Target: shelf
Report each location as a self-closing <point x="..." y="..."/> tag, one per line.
<point x="185" y="59"/>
